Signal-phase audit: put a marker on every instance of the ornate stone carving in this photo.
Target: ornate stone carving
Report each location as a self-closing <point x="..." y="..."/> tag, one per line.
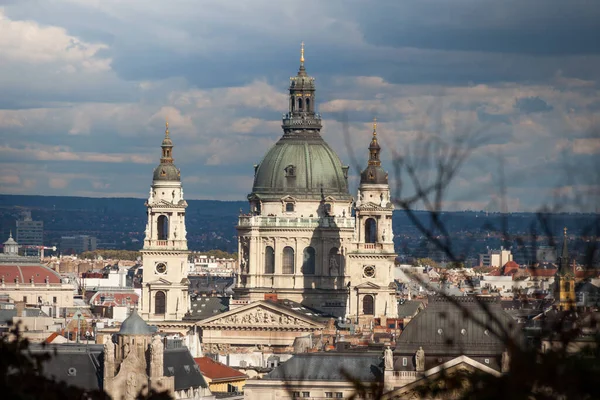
<point x="156" y="352"/>
<point x="259" y="316"/>
<point x="132" y="386"/>
<point x="420" y="360"/>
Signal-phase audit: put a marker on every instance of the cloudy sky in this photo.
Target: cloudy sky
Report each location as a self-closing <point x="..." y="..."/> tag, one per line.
<point x="86" y="85"/>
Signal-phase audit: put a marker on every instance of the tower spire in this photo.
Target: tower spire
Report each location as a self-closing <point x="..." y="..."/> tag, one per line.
<point x="374" y="148"/>
<point x="302" y="70"/>
<point x="167" y="146"/>
<point x="564" y="267"/>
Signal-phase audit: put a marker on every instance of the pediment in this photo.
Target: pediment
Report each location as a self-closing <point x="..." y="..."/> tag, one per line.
<point x="160" y="281"/>
<point x="370" y="206"/>
<point x="261" y="314"/>
<point x="368" y="285"/>
<point x="330" y="198"/>
<point x="288" y="198"/>
<point x="459" y="365"/>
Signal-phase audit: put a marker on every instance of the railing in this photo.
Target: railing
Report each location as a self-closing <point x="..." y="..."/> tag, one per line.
<point x="297" y="222"/>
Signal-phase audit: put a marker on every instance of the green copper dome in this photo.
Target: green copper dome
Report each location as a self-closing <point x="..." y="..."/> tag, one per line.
<point x="302" y="166"/>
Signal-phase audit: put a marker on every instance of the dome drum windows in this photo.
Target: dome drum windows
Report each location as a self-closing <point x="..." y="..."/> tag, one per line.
<point x="289" y="204"/>
<point x="269" y="260"/>
<point x="288" y="264"/>
<point x="310" y="256"/>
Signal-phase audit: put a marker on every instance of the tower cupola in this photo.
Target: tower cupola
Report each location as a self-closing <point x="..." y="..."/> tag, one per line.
<point x="374" y="174"/>
<point x="166" y="170"/>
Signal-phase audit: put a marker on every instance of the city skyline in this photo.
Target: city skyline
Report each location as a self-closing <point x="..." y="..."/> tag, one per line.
<point x="87" y="92"/>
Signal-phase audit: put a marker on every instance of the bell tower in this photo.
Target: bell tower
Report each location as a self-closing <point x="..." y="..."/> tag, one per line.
<point x="565" y="279"/>
<point x="165" y="251"/>
<point x="371" y="263"/>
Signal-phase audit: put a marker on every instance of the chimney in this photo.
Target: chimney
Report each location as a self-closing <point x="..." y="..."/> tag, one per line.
<point x="20" y="306"/>
<point x="271" y="296"/>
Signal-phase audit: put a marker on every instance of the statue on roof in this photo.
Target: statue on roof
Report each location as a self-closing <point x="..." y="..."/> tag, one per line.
<point x="388" y="359"/>
<point x="420" y="360"/>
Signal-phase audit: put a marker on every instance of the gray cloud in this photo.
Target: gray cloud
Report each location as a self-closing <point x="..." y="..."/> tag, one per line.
<point x="526" y="75"/>
<point x="532" y="105"/>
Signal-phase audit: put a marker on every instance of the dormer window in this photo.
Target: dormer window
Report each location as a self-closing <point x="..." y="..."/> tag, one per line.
<point x="289" y="207"/>
<point x="290" y="171"/>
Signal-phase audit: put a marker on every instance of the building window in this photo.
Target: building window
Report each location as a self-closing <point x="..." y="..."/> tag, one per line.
<point x="307" y="104"/>
<point x="290" y="171"/>
<point x="54" y="300"/>
<point x="370" y="231"/>
<point x="269" y="260"/>
<point x="288" y="260"/>
<point x="339" y="395"/>
<point x="162" y="225"/>
<point x="295" y="394"/>
<point x="289" y="207"/>
<point x="299" y="104"/>
<point x="24" y="299"/>
<point x="305" y="394"/>
<point x="404" y="361"/>
<point x="160" y="303"/>
<point x="368" y="308"/>
<point x="308" y="267"/>
<point x="329" y="395"/>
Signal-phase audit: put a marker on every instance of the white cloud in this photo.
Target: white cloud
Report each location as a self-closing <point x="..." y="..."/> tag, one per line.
<point x="28" y="42"/>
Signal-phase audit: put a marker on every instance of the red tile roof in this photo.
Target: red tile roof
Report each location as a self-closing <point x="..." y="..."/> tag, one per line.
<point x="25" y="273"/>
<point x="216" y="371"/>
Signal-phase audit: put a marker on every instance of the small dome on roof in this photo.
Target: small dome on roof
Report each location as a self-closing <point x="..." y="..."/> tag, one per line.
<point x="166" y="172"/>
<point x="135" y="325"/>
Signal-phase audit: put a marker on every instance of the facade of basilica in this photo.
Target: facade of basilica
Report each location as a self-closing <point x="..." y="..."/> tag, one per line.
<point x="306" y="239"/>
<point x="306" y="243"/>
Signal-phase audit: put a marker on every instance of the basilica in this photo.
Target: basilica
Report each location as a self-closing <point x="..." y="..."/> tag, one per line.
<point x="305" y="239"/>
<point x="309" y="252"/>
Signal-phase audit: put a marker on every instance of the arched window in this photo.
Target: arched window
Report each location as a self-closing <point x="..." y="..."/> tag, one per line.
<point x="567" y="286"/>
<point x="308" y="266"/>
<point x="269" y="260"/>
<point x="368" y="308"/>
<point x="307" y="104"/>
<point x="292" y="104"/>
<point x="299" y="104"/>
<point x="370" y="231"/>
<point x="162" y="227"/>
<point x="160" y="303"/>
<point x="289" y="207"/>
<point x="288" y="260"/>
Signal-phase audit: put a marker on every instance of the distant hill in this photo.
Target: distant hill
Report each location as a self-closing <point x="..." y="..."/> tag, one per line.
<point x="120" y="222"/>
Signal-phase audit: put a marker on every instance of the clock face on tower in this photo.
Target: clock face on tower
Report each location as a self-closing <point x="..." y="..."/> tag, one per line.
<point x="369" y="271"/>
<point x="161" y="268"/>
